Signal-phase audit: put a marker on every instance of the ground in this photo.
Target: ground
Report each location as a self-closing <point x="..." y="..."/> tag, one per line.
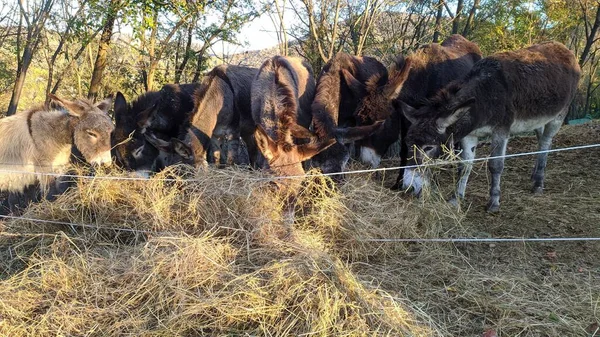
<point x="242" y="268"/>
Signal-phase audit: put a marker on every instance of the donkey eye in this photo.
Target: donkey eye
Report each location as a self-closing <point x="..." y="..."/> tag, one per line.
<point x="91" y="133"/>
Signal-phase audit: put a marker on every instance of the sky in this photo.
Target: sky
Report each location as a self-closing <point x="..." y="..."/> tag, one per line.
<point x="258" y="34"/>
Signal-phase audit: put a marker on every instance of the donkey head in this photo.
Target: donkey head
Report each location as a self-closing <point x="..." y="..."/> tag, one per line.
<point x="377" y="103"/>
<point x="92" y="128"/>
<point x="173" y="151"/>
<point x="130" y="147"/>
<point x="284" y="158"/>
<point x="434" y="124"/>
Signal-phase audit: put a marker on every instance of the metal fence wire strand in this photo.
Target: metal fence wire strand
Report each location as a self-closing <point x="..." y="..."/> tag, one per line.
<point x="381" y="169"/>
<point x="389" y="240"/>
<point x="382" y="240"/>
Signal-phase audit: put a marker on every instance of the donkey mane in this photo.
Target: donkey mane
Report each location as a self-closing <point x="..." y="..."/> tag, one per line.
<point x="286" y="100"/>
<point x="443" y="95"/>
<point x="327" y="99"/>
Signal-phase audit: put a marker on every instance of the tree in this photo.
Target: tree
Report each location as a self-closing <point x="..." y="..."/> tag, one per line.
<point x="34" y="14"/>
<point x="438" y="21"/>
<point x="471" y="18"/>
<point x="591" y="30"/>
<point x="103" y="47"/>
<point x="456" y="19"/>
<point x="234" y="15"/>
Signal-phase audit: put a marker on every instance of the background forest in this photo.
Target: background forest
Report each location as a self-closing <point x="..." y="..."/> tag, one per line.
<point x="96" y="47"/>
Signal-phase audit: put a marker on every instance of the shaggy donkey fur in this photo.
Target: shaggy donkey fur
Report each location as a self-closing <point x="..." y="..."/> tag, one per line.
<point x="40" y="140"/>
<point x="511" y="92"/>
<point x="276" y="93"/>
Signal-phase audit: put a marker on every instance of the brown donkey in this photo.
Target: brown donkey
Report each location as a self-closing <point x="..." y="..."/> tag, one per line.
<point x="339" y="93"/>
<point x="433" y="67"/>
<point x="511" y="92"/>
<point x="275" y="108"/>
<point x="40" y="140"/>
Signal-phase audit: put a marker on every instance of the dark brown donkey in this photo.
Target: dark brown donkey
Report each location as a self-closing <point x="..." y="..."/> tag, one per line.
<point x="221" y="114"/>
<point x="160" y="112"/>
<point x="433" y="67"/>
<point x="222" y="109"/>
<point x="510" y="92"/>
<point x="130" y="149"/>
<point x="276" y="93"/>
<point x="335" y="104"/>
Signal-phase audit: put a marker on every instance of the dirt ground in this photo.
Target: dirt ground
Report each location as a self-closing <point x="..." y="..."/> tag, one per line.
<point x="517" y="289"/>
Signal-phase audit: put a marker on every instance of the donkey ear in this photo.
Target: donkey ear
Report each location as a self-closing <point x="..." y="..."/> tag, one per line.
<point x="409" y="112"/>
<point x="298" y="131"/>
<point x="310" y="150"/>
<point x="354" y="133"/>
<point x="459" y="110"/>
<point x="73" y="108"/>
<point x="181" y="148"/>
<point x="397" y="78"/>
<point x="197" y="148"/>
<point x="265" y="144"/>
<point x="357" y="88"/>
<point x="121" y="107"/>
<point x="158" y="143"/>
<point x="144" y="118"/>
<point x="105" y="104"/>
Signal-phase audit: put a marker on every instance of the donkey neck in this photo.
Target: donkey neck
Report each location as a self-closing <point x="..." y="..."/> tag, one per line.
<point x="52" y="133"/>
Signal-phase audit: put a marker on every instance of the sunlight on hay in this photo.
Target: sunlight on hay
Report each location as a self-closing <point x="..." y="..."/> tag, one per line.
<point x="219" y="253"/>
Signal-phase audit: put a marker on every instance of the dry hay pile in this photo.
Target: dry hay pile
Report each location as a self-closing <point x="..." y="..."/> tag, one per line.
<point x="215" y="256"/>
<point x="222" y="256"/>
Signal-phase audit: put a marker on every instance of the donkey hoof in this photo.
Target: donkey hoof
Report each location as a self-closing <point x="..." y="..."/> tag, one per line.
<point x="537" y="190"/>
<point x="493" y="208"/>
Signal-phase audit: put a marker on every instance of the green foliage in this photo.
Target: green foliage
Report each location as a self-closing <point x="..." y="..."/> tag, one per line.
<point x="154" y="33"/>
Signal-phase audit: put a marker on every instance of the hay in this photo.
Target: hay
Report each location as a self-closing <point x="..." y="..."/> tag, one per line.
<point x="213" y="256"/>
<point x="224" y="255"/>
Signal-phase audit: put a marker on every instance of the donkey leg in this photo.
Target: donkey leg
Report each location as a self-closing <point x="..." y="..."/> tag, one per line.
<point x="495" y="167"/>
<point x="545" y="143"/>
<point x="469" y="147"/>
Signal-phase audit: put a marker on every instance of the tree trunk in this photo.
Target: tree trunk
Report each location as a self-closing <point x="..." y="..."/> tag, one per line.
<point x="34" y="30"/>
<point x="471" y="18"/>
<point x="103" y="48"/>
<point x="199" y="63"/>
<point x="188" y="52"/>
<point x="69" y="66"/>
<point x="20" y="81"/>
<point x="438" y="21"/>
<point x="456" y="21"/>
<point x="590" y="39"/>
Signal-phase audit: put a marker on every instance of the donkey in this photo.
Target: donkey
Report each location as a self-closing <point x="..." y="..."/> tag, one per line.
<point x="40" y="140"/>
<point x="377" y="104"/>
<point x="130" y="148"/>
<point x="511" y="92"/>
<point x="163" y="113"/>
<point x="301" y="79"/>
<point x="215" y="125"/>
<point x="433" y="67"/>
<point x="333" y="110"/>
<point x="275" y="108"/>
<point x="171" y="110"/>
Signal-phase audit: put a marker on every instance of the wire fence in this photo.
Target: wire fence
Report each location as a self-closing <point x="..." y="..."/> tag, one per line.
<point x="372" y="170"/>
<point x="73" y="226"/>
<point x="382" y="240"/>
